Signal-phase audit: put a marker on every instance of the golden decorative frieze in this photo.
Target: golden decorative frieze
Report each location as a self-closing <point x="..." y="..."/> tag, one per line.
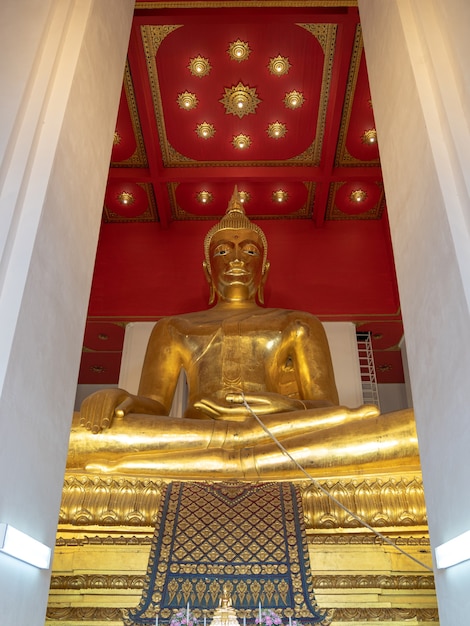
<point x="110" y="501"/>
<point x="107" y="540"/>
<point x="368" y="614"/>
<point x="371" y="614"/>
<point x="322" y="582"/>
<point x="381" y="502"/>
<point x="360" y="539"/>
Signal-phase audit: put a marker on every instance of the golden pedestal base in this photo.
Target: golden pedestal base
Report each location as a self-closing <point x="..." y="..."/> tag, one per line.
<point x="107" y="523"/>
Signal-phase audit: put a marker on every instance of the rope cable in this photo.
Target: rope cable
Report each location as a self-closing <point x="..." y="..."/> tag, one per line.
<point x="327" y="493"/>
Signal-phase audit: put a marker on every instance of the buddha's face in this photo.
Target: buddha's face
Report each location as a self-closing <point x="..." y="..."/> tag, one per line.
<point x="236" y="262"/>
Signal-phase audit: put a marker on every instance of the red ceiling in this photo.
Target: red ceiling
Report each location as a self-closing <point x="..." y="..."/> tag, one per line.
<point x="330" y="253"/>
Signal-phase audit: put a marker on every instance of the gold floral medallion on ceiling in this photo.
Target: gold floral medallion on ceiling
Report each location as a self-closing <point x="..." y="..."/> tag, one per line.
<point x="205" y="130"/>
<point x="204" y="197"/>
<point x="199" y="66"/>
<point x="279" y="65"/>
<point x="240" y="142"/>
<point x="239" y="50"/>
<point x="276" y="130"/>
<point x="187" y="100"/>
<point x="240" y="100"/>
<point x="293" y="100"/>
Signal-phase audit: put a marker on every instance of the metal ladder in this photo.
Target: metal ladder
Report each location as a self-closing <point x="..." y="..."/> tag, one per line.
<point x="370" y="392"/>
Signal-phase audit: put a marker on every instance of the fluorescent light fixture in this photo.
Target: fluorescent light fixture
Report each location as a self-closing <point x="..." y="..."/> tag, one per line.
<point x="23" y="547"/>
<point x="453" y="551"/>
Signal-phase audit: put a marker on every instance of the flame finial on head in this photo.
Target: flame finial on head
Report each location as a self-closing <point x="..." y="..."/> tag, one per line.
<point x="235" y="218"/>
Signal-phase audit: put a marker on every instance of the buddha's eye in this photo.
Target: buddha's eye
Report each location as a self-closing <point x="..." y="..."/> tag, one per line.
<point x="221" y="251"/>
<point x="251" y="251"/>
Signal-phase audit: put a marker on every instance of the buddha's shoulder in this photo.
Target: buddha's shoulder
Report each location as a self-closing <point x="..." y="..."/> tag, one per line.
<point x="215" y="317"/>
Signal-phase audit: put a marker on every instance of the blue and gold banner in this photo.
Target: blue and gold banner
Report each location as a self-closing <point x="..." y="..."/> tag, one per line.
<point x="248" y="537"/>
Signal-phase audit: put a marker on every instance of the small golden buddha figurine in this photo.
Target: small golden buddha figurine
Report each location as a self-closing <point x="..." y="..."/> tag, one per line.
<point x="240" y="358"/>
<point x="225" y="614"/>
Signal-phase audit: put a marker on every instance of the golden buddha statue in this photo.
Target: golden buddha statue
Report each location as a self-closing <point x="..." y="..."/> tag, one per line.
<point x="241" y="361"/>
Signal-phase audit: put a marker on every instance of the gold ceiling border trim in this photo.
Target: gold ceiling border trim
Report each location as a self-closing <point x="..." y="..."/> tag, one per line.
<point x="153" y="35"/>
<point x="149" y="215"/>
<point x="343" y="158"/>
<point x="325" y="34"/>
<point x="410" y="582"/>
<point x="109" y="614"/>
<point x="391" y="501"/>
<point x="139" y="158"/>
<point x="179" y="214"/>
<point x="333" y="213"/>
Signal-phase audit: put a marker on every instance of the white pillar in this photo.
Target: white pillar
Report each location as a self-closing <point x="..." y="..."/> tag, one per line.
<point x="61" y="67"/>
<point x="417" y="53"/>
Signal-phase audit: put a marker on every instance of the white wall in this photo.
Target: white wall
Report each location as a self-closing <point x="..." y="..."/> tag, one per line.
<point x="417" y="54"/>
<point x="61" y="70"/>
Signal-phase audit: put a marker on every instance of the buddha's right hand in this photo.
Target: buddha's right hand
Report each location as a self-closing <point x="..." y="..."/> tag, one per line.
<point x="100" y="408"/>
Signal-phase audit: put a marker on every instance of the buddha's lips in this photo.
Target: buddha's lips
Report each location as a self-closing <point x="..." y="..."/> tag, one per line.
<point x="236" y="272"/>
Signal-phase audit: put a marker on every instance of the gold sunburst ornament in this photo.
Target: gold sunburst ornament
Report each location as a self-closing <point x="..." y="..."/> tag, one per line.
<point x="240" y="142"/>
<point x="204" y="197"/>
<point x="126" y="198"/>
<point x="279" y="195"/>
<point x="117" y="138"/>
<point x="358" y="195"/>
<point x="276" y="130"/>
<point x="244" y="196"/>
<point x="240" y="100"/>
<point x="239" y="50"/>
<point x="369" y="136"/>
<point x="205" y="130"/>
<point x="199" y="66"/>
<point x="279" y="65"/>
<point x="187" y="100"/>
<point x="293" y="100"/>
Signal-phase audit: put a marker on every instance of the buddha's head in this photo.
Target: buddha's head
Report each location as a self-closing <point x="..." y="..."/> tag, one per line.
<point x="235" y="252"/>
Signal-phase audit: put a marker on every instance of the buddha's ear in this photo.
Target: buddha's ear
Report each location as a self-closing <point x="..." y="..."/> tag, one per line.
<point x="208" y="276"/>
<point x="263" y="282"/>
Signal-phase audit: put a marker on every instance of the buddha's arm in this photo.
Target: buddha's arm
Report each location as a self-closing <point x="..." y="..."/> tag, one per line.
<point x="158" y="382"/>
<point x="162" y="365"/>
